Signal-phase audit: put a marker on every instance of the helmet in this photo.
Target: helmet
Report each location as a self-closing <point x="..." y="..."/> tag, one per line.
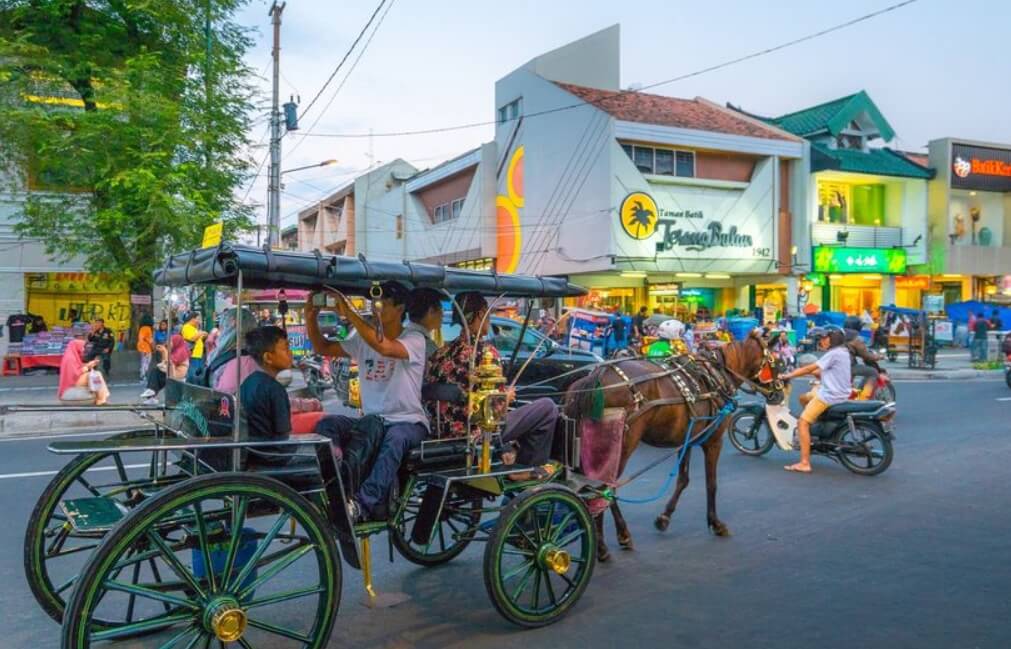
<point x="853" y="322"/>
<point x="670" y="329"/>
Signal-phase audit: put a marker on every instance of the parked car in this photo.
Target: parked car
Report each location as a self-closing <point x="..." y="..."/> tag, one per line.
<point x="550" y="363"/>
<point x="551" y="359"/>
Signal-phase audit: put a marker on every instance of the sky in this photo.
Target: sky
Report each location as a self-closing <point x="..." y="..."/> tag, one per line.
<point x="935" y="68"/>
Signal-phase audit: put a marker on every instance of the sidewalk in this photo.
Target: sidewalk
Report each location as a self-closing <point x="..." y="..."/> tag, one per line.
<point x="952" y="363"/>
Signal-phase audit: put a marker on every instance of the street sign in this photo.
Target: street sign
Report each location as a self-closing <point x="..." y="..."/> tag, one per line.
<point x="212" y="235"/>
<point x="834" y="259"/>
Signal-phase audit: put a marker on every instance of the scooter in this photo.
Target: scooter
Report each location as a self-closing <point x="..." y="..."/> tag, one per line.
<point x="857" y="434"/>
<point x="315" y="371"/>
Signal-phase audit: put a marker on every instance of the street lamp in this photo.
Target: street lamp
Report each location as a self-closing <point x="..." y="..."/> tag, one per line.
<point x="325" y="163"/>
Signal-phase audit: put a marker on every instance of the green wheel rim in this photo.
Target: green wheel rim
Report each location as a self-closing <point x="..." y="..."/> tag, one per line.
<point x="258" y="534"/>
<point x="452" y="534"/>
<point x="541" y="556"/>
<point x="53" y="552"/>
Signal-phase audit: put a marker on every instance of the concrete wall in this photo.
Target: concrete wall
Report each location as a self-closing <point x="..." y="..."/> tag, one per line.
<point x="592" y="61"/>
<point x="379" y="199"/>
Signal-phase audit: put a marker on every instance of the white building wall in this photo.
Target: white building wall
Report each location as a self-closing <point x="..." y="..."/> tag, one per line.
<point x="379" y="199"/>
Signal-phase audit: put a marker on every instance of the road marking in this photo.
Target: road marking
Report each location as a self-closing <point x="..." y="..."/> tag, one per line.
<point x="53" y="387"/>
<point x="36" y="474"/>
<point x="1003" y="398"/>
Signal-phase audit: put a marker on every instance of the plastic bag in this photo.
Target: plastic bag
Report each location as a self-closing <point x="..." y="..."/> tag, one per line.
<point x="94" y="380"/>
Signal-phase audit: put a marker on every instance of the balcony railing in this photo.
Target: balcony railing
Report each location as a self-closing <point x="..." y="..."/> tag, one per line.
<point x="859" y="236"/>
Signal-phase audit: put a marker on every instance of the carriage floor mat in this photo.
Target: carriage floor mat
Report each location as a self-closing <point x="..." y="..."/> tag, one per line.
<point x="427" y="513"/>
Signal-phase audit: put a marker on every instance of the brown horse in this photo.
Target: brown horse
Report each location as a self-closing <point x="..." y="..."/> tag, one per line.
<point x="657" y="413"/>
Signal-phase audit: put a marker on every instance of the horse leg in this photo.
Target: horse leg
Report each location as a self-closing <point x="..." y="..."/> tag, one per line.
<point x="603" y="554"/>
<point x="663" y="520"/>
<point x="712" y="456"/>
<point x="624" y="535"/>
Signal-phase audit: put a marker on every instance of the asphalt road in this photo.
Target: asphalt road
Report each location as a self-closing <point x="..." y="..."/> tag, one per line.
<point x="917" y="557"/>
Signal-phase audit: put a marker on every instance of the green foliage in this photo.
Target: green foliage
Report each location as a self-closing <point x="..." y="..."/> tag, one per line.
<point x="122" y="123"/>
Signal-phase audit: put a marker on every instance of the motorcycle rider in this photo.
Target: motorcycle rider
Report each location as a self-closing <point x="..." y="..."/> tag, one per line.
<point x="870" y="369"/>
<point x="834" y="370"/>
<point x="671" y="343"/>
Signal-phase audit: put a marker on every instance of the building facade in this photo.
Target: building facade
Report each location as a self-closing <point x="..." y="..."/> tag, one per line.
<point x="970" y="219"/>
<point x="678" y="204"/>
<point x="866" y="212"/>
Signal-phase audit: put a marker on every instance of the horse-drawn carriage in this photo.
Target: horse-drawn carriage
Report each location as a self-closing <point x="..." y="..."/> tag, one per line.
<point x="177" y="536"/>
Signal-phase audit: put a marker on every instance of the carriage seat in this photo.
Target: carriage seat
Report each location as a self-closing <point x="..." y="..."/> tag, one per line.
<point x="841" y="410"/>
<point x="448" y="392"/>
<point x="301" y="473"/>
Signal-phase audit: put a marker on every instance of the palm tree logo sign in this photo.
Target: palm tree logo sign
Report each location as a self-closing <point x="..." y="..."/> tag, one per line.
<point x="638" y="215"/>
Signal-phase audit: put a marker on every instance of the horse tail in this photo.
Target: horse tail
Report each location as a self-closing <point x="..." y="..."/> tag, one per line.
<point x="585" y="397"/>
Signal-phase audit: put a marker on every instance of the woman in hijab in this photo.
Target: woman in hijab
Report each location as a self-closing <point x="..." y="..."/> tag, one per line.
<point x="76" y="380"/>
<point x="221" y="362"/>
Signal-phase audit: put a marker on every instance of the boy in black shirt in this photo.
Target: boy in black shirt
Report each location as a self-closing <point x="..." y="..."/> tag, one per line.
<point x="265" y="402"/>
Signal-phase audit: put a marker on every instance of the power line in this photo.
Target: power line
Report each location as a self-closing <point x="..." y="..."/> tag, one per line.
<point x="344" y="58"/>
<point x="581" y="103"/>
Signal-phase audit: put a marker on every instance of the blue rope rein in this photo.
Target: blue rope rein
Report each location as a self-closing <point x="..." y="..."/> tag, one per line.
<point x="691" y="442"/>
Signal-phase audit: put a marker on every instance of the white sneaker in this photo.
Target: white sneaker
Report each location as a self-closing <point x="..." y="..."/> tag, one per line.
<point x="153" y="401"/>
<point x="147" y="394"/>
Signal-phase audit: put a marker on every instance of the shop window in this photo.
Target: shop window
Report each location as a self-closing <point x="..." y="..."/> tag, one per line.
<point x="627" y="148"/>
<point x="686" y="164"/>
<point x="851" y="204"/>
<point x="664" y="162"/>
<point x="643" y="159"/>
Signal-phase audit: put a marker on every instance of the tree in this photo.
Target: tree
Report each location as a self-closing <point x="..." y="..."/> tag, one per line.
<point x="130" y="119"/>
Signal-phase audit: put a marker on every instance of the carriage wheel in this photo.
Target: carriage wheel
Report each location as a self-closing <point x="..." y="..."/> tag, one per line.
<point x="749" y="433"/>
<point x="236" y="559"/>
<point x="54" y="552"/>
<point x="452" y="534"/>
<point x="540" y="557"/>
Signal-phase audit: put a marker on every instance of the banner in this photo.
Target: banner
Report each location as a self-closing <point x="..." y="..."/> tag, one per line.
<point x="87" y="296"/>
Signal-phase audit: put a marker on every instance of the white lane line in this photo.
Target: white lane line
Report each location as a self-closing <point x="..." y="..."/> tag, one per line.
<point x="1003" y="398"/>
<point x="36" y="474"/>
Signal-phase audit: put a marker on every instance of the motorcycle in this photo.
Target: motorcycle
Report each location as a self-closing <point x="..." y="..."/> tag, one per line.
<point x="884" y="389"/>
<point x="857" y="434"/>
<point x="315" y="370"/>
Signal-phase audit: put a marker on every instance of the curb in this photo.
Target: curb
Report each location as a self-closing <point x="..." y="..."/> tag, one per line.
<point x="964" y="374"/>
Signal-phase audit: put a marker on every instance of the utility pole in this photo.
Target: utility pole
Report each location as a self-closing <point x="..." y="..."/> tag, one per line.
<point x="274" y="183"/>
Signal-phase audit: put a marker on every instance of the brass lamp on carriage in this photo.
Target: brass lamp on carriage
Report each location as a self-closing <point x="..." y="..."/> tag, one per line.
<point x="488" y="404"/>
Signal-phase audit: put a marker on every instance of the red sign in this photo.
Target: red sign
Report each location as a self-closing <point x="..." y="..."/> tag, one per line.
<point x="991" y="167"/>
<point x="917" y="281"/>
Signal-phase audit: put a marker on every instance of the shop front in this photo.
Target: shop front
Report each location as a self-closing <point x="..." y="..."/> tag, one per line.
<point x="854" y="280"/>
<point x="970" y="216"/>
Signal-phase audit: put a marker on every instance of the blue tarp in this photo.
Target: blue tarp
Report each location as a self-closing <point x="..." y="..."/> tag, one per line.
<point x="959" y="312"/>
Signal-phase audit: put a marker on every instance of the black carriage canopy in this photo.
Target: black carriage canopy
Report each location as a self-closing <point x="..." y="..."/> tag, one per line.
<point x="265" y="268"/>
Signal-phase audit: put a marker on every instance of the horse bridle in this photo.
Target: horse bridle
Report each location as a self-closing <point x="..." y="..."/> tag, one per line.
<point x="765" y="388"/>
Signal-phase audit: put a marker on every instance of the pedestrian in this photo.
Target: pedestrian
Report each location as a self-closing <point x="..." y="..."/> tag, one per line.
<point x="174" y="360"/>
<point x="689" y="337"/>
<point x="980" y="327"/>
<point x="639" y="323"/>
<point x="100" y="345"/>
<point x="145" y="340"/>
<point x="78" y="380"/>
<point x="265" y="318"/>
<point x="194" y="337"/>
<point x="995" y="321"/>
<point x="618" y="327"/>
<point x="161" y="333"/>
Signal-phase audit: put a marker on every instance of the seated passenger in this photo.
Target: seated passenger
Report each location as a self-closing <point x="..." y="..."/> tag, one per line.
<point x="265" y="401"/>
<point x="528" y="429"/>
<point x="424" y="312"/>
<point x="390" y="369"/>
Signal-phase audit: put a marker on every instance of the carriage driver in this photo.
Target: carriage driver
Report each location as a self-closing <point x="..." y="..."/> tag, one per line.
<point x="390" y="369"/>
<point x="834" y="370"/>
<point x="529" y="429"/>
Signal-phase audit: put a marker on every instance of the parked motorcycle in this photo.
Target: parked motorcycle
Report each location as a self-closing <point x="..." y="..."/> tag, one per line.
<point x="857" y="434"/>
<point x="315" y="370"/>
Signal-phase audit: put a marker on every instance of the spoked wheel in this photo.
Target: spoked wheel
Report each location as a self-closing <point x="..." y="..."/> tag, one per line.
<point x="54" y="552"/>
<point x="866" y="450"/>
<point x="233" y="559"/>
<point x="540" y="557"/>
<point x="451" y="535"/>
<point x="749" y="433"/>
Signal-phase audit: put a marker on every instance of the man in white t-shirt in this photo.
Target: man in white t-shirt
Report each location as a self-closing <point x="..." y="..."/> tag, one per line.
<point x="390" y="371"/>
<point x="833" y="368"/>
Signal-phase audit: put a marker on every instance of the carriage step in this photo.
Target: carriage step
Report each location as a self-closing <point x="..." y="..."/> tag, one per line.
<point x="97" y="514"/>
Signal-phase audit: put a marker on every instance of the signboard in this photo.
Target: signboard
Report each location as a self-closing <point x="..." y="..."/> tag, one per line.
<point x="944" y="332"/>
<point x="298" y="341"/>
<point x="921" y="282"/>
<point x="140" y="299"/>
<point x="980" y="168"/>
<point x="212" y="235"/>
<point x="697" y="228"/>
<point x="834" y="259"/>
<point x="933" y="303"/>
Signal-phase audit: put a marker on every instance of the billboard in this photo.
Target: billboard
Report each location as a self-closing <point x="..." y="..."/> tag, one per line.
<point x="980" y="168"/>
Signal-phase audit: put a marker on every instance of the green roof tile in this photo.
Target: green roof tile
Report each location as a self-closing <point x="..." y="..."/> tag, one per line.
<point x="833" y="116"/>
<point x="881" y="162"/>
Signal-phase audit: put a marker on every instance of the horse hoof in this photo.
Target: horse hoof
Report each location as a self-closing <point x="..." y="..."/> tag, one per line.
<point x="603" y="555"/>
<point x="719" y="528"/>
<point x="626" y="542"/>
<point x="662" y="522"/>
